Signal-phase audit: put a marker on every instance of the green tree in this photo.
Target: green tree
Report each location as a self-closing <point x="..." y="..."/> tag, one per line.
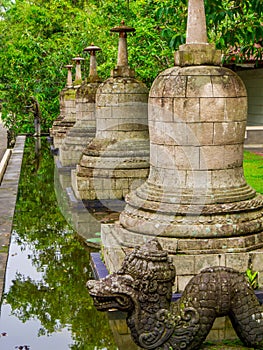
<point x="234" y="26"/>
<point x="39" y="37"/>
<point x="37" y="40"/>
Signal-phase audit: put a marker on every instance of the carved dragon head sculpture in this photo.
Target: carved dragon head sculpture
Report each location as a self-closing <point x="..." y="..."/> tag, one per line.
<point x="143" y="288"/>
<point x="146" y="273"/>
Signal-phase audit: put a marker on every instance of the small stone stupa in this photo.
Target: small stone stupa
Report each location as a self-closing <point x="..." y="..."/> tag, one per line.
<point x="69" y="85"/>
<point x="84" y="129"/>
<point x="67" y="117"/>
<point x="117" y="159"/>
<point x="196" y="199"/>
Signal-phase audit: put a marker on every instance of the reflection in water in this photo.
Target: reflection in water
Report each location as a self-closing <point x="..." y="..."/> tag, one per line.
<point x="46" y="304"/>
<point x="22" y="313"/>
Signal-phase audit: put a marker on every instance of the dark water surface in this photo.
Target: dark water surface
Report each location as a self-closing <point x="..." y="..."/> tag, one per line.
<point x="46" y="304"/>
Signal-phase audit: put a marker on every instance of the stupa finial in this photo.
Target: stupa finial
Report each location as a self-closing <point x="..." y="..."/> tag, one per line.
<point x="197" y="50"/>
<point x="196" y="23"/>
<point x="92" y="49"/>
<point x="69" y="76"/>
<point x="122" y="68"/>
<point x="78" y="77"/>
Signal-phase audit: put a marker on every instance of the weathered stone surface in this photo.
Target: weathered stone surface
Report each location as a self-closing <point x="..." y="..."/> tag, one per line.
<point x="193" y="169"/>
<point x="230" y="132"/>
<point x="119" y="154"/>
<point x="84" y="129"/>
<point x="196" y="23"/>
<point x="120" y="149"/>
<point x="67" y="117"/>
<point x="197" y="54"/>
<point x="143" y="287"/>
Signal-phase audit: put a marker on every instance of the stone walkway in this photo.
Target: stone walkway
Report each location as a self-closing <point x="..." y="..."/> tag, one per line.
<point x="8" y="195"/>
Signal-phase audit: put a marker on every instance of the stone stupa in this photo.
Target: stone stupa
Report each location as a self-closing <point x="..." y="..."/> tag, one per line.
<point x="196" y="199"/>
<point x="67" y="117"/>
<point x="117" y="159"/>
<point x="69" y="85"/>
<point x="84" y="130"/>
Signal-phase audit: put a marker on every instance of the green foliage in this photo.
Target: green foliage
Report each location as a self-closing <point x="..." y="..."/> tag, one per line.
<point x="60" y="299"/>
<point x="39" y="37"/>
<point x="252" y="278"/>
<point x="234" y="26"/>
<point x="37" y="40"/>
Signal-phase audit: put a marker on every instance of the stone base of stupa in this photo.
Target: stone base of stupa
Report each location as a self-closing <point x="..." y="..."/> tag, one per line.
<point x="107" y="184"/>
<point x="190" y="255"/>
<point x="59" y="130"/>
<point x="65" y="120"/>
<point x="55" y="124"/>
<point x="74" y="143"/>
<point x="111" y="172"/>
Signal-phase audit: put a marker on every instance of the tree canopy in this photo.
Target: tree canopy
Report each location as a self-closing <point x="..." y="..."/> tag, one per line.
<point x="38" y="37"/>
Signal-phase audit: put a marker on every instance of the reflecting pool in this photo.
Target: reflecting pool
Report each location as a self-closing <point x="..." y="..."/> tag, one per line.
<point x="46" y="304"/>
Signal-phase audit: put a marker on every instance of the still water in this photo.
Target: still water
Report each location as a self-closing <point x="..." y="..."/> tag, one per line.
<point x="46" y="304"/>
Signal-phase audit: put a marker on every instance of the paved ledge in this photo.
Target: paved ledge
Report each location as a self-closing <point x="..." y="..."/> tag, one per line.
<point x="4" y="162"/>
<point x="8" y="195"/>
<point x="3" y="138"/>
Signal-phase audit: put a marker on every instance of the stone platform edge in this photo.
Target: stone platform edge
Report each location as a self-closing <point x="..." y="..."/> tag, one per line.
<point x="8" y="196"/>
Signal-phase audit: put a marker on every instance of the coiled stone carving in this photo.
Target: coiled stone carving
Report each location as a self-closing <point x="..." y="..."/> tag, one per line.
<point x="143" y="288"/>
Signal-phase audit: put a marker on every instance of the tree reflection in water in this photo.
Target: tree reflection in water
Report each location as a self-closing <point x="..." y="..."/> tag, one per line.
<point x="59" y="299"/>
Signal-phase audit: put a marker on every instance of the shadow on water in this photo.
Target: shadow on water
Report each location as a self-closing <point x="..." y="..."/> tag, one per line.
<point x="46" y="304"/>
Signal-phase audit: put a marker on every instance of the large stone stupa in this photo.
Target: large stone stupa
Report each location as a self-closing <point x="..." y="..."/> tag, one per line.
<point x="117" y="159"/>
<point x="196" y="199"/>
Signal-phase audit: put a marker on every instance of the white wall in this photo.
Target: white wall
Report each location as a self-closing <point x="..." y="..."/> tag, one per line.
<point x="253" y="80"/>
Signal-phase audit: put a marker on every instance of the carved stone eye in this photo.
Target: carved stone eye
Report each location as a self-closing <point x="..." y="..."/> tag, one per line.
<point x="115" y="287"/>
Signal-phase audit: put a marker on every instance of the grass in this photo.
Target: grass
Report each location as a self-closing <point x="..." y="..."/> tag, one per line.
<point x="253" y="170"/>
